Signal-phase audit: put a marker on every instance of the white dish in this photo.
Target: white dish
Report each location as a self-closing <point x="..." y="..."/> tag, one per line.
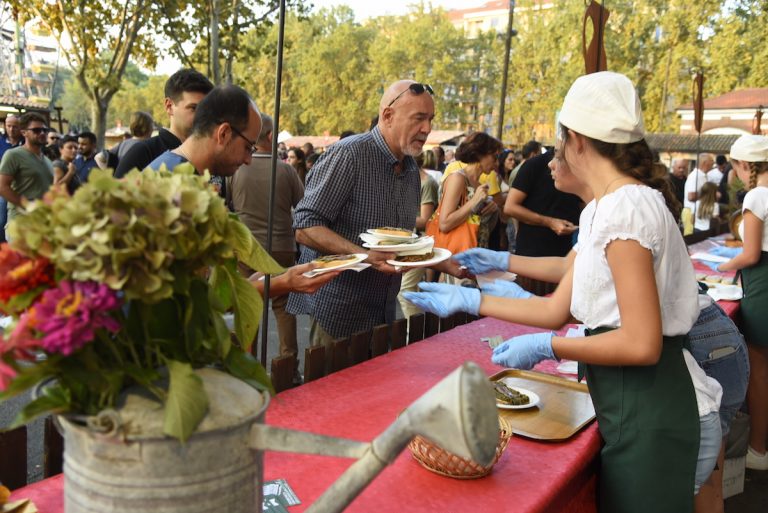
<point x="490" y="277"/>
<point x="397" y="248"/>
<point x="372" y="231"/>
<point x="359" y="257"/>
<point x="440" y="255"/>
<point x="531" y="395"/>
<point x="728" y="292"/>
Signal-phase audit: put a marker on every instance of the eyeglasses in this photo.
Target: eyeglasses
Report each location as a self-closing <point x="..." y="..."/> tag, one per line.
<point x="251" y="144"/>
<point x="39" y="130"/>
<point x="416" y="89"/>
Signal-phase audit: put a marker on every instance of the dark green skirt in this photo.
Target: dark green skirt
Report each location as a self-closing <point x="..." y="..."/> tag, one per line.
<point x="754" y="305"/>
<point x="649" y="420"/>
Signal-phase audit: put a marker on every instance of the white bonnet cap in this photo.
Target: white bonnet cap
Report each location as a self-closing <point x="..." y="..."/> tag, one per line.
<point x="604" y="106"/>
<point x="750" y="148"/>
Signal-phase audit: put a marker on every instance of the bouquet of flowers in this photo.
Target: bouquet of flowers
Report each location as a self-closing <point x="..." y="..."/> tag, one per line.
<point x="126" y="283"/>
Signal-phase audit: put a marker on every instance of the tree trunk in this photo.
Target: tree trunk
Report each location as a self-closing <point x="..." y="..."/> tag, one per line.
<point x="99" y="109"/>
<point x="214" y="42"/>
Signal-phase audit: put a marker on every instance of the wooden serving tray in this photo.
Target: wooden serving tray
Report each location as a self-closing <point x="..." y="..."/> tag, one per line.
<point x="564" y="407"/>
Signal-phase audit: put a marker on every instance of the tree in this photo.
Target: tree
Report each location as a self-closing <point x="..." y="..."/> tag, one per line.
<point x="215" y="26"/>
<point x="98" y="39"/>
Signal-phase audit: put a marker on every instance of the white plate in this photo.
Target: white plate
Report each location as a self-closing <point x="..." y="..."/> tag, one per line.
<point x="719" y="291"/>
<point x="372" y="231"/>
<point x="359" y="257"/>
<point x="440" y="255"/>
<point x="531" y="395"/>
<point x="397" y="248"/>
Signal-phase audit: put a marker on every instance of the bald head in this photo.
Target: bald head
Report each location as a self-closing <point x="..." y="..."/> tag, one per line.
<point x="392" y="92"/>
<point x="706" y="161"/>
<point x="680" y="168"/>
<point x="12" y="129"/>
<point x="264" y="142"/>
<point x="405" y="117"/>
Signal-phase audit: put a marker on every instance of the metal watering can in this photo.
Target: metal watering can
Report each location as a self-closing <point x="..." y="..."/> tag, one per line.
<point x="133" y="468"/>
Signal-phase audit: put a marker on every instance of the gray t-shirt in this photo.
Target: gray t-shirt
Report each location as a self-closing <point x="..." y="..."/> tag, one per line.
<point x="32" y="174"/>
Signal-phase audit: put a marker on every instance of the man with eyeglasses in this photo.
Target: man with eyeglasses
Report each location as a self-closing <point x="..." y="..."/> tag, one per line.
<point x="25" y="173"/>
<point x="365" y="181"/>
<point x="224" y="132"/>
<point x="11" y="139"/>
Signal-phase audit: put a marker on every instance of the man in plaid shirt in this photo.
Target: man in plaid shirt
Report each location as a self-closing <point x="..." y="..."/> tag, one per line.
<point x="364" y="181"/>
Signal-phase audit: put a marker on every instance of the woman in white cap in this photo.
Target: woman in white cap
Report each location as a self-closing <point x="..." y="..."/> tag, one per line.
<point x="749" y="157"/>
<point x="632" y="284"/>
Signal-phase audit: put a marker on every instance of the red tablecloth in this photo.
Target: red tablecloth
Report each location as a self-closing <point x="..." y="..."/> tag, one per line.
<point x="360" y="402"/>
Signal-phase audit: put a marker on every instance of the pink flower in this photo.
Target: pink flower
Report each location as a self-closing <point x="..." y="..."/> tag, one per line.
<point x="68" y="316"/>
<point x="6" y="375"/>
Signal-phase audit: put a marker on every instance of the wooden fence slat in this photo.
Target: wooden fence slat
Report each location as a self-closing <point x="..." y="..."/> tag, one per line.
<point x="416" y="328"/>
<point x="314" y="363"/>
<point x="380" y="340"/>
<point x="399" y="333"/>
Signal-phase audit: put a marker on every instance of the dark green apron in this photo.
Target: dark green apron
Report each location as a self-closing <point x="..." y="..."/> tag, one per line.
<point x="754" y="304"/>
<point x="649" y="420"/>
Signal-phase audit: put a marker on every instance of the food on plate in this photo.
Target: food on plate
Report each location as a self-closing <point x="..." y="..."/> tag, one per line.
<point x="417" y="255"/>
<point x="714" y="279"/>
<point x="733" y="243"/>
<point x="330" y="261"/>
<point x="700" y="276"/>
<point x="388" y="230"/>
<point x="508" y="395"/>
<point x="396" y="242"/>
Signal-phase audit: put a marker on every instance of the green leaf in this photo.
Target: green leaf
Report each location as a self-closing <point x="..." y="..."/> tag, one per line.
<point x="248" y="306"/>
<point x="53" y="399"/>
<point x="20" y="302"/>
<point x="249" y="251"/>
<point x="187" y="401"/>
<point x="221" y="288"/>
<point x="244" y="366"/>
<point x="28" y="375"/>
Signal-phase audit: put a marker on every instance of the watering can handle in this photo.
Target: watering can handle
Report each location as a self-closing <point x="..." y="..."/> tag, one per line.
<point x="264" y="437"/>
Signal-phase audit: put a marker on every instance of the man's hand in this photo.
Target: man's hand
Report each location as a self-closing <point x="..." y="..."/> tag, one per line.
<point x="561" y="226"/>
<point x="378" y="260"/>
<point x="297" y="282"/>
<point x="489" y="208"/>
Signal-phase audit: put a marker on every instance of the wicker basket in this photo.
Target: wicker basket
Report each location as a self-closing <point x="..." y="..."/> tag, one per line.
<point x="440" y="461"/>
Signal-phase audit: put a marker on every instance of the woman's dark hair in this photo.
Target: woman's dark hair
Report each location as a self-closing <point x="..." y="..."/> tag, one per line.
<point x="477" y="146"/>
<point x="500" y="162"/>
<point x="755" y="169"/>
<point x="301" y="165"/>
<point x="635" y="159"/>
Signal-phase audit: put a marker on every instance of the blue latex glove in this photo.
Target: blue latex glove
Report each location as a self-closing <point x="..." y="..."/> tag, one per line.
<point x="506" y="288"/>
<point x="726" y="252"/>
<point x="711" y="265"/>
<point x="444" y="300"/>
<point x="525" y="351"/>
<point x="481" y="261"/>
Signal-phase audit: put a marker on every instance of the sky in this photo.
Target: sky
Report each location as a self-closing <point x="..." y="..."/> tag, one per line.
<point x="368" y="8"/>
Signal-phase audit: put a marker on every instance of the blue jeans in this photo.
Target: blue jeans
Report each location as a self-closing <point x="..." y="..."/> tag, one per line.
<point x="3" y="217"/>
<point x="720" y="350"/>
<point x="709" y="448"/>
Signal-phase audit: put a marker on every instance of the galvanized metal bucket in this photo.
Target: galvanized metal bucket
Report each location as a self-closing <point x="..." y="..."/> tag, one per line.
<point x="135" y="468"/>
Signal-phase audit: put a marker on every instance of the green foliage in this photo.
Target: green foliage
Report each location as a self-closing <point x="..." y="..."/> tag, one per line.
<point x="187" y="401"/>
<point x="148" y="243"/>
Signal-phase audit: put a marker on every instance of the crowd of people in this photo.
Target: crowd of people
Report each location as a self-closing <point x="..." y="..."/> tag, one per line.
<point x="591" y="226"/>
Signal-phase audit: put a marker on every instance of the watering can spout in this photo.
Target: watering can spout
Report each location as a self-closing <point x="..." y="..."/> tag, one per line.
<point x="459" y="414"/>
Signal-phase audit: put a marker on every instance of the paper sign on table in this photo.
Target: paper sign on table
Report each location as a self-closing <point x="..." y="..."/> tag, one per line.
<point x="278" y="496"/>
<point x="494" y="341"/>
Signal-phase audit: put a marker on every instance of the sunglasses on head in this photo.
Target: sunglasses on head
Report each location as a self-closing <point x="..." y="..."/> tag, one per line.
<point x="39" y="129"/>
<point x="416" y="89"/>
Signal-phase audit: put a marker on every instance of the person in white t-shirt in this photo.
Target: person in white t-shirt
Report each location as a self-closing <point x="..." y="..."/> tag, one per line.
<point x="749" y="157"/>
<point x="696" y="179"/>
<point x="633" y="286"/>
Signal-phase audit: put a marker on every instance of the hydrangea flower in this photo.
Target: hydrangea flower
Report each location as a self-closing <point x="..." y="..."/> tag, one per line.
<point x="69" y="315"/>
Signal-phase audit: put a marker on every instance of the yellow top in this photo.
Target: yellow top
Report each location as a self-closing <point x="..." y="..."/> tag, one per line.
<point x="492" y="178"/>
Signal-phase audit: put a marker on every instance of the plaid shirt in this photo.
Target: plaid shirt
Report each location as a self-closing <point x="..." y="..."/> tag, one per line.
<point x="351" y="188"/>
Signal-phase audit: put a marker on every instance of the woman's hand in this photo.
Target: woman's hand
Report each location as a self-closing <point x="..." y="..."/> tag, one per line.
<point x="444" y="300"/>
<point x="481" y="261"/>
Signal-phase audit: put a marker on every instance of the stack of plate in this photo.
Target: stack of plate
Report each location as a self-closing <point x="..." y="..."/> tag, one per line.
<point x="404" y="244"/>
